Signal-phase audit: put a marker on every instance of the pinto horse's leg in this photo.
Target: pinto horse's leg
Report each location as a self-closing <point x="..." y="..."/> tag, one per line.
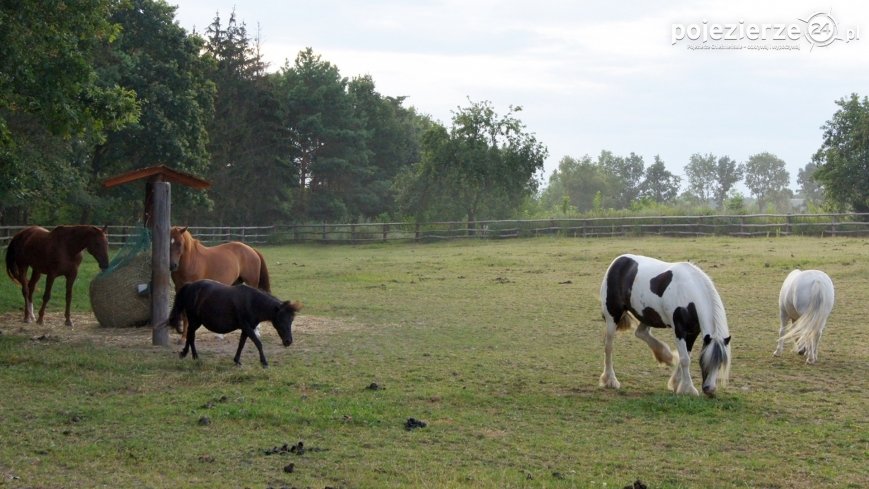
<point x="783" y="317"/>
<point x="608" y="377"/>
<point x="49" y="281"/>
<point x="70" y="280"/>
<point x="241" y="341"/>
<point x="682" y="373"/>
<point x="662" y="352"/>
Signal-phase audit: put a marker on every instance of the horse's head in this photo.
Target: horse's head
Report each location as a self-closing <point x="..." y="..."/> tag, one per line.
<point x="283" y="320"/>
<point x="178" y="237"/>
<point x="714" y="363"/>
<point x="98" y="246"/>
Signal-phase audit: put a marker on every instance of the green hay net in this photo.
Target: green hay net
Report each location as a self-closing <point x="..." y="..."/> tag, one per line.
<point x="121" y="294"/>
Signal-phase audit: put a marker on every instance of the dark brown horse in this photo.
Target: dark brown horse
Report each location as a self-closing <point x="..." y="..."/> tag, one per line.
<point x="53" y="253"/>
<point x="228" y="263"/>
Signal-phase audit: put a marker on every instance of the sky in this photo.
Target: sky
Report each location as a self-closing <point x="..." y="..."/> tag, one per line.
<point x="673" y="78"/>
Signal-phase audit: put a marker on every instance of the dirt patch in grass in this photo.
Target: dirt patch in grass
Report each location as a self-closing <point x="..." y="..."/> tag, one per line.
<point x="88" y="330"/>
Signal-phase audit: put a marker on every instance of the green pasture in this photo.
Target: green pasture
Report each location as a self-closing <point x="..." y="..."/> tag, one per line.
<point x="495" y="345"/>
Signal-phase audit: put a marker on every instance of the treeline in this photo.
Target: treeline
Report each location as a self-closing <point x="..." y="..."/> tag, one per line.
<point x="95" y="88"/>
<point x="625" y="182"/>
<point x="104" y="87"/>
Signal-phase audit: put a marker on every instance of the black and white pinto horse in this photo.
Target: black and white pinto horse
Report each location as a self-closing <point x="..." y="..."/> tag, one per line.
<point x="805" y="301"/>
<point x="658" y="294"/>
<point x="225" y="308"/>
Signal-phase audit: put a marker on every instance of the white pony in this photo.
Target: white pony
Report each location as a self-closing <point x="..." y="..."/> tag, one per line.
<point x="658" y="294"/>
<point x="806" y="300"/>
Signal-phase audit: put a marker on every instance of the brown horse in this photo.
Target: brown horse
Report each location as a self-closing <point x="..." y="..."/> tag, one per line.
<point x="53" y="253"/>
<point x="228" y="263"/>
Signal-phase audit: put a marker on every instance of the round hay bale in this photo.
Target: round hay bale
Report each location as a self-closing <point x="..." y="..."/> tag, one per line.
<point x="121" y="297"/>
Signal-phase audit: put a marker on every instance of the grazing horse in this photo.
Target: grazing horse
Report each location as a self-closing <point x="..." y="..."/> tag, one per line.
<point x="658" y="294"/>
<point x="53" y="253"/>
<point x="806" y="300"/>
<point x="228" y="263"/>
<point x="224" y="308"/>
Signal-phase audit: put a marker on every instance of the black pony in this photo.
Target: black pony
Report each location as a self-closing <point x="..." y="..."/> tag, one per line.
<point x="224" y="308"/>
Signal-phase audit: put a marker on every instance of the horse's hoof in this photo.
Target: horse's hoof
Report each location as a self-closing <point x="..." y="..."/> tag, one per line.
<point x="776" y="353"/>
<point x="265" y="365"/>
<point x="609" y="382"/>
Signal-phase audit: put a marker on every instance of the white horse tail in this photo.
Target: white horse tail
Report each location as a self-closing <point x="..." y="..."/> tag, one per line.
<point x="806" y="330"/>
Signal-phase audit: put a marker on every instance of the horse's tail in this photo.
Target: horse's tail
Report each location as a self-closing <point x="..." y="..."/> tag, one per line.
<point x="806" y="330"/>
<point x="264" y="283"/>
<point x="12" y="261"/>
<point x="185" y="296"/>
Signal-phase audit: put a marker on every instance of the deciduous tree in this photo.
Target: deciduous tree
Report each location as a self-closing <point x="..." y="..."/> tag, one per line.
<point x="485" y="164"/>
<point x="660" y="184"/>
<point x="766" y="178"/>
<point x="843" y="158"/>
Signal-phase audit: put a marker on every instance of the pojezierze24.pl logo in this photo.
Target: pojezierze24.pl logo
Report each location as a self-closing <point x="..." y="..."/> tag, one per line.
<point x="819" y="30"/>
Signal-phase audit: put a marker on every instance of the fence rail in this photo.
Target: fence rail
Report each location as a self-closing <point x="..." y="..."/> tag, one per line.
<point x="750" y="225"/>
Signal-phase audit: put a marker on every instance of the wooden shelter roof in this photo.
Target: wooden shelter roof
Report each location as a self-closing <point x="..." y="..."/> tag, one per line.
<point x="160" y="173"/>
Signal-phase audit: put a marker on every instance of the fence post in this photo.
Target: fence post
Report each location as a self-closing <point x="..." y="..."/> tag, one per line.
<point x="416" y="233"/>
<point x="324" y="231"/>
<point x="385" y="231"/>
<point x="835" y="220"/>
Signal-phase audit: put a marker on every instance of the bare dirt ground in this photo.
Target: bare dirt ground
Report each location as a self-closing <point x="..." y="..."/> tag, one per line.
<point x="86" y="329"/>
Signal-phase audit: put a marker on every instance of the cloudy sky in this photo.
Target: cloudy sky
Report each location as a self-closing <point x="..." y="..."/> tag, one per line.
<point x="626" y="76"/>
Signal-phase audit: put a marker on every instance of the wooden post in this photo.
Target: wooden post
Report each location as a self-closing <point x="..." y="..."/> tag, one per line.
<point x="161" y="199"/>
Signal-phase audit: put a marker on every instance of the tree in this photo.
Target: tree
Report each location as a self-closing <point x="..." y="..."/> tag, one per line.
<point x="843" y="158"/>
<point x="659" y="184"/>
<point x="393" y="138"/>
<point x="727" y="173"/>
<point x="810" y="188"/>
<point x="577" y="181"/>
<point x="326" y="137"/>
<point x="47" y="70"/>
<point x="701" y="172"/>
<point x="247" y="137"/>
<point x="52" y="103"/>
<point x="158" y="59"/>
<point x="626" y="174"/>
<point x="484" y="165"/>
<point x="766" y="178"/>
<point x="711" y="178"/>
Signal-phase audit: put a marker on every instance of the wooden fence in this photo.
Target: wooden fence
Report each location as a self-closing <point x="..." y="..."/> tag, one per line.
<point x="676" y="226"/>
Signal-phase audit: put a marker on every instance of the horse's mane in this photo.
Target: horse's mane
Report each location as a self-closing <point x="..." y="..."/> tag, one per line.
<point x="720" y="329"/>
<point x="189" y="240"/>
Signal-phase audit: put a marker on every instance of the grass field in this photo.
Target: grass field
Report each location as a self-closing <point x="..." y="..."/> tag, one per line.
<point x="495" y="345"/>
